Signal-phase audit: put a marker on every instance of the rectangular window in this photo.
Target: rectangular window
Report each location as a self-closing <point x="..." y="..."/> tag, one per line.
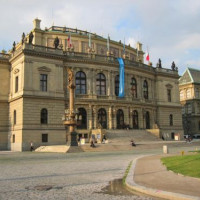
<point x="45" y="137"/>
<point x="43" y="82"/>
<point x="169" y="95"/>
<point x="15" y="117"/>
<point x="16" y="83"/>
<point x="13" y="139"/>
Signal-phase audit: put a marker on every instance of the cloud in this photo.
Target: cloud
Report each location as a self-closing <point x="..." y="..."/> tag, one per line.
<point x="169" y="28"/>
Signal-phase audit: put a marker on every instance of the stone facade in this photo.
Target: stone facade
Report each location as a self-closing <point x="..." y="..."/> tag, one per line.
<point x="34" y="95"/>
<point x="189" y="86"/>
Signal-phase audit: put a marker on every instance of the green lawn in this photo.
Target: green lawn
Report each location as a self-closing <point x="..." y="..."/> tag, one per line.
<point x="188" y="165"/>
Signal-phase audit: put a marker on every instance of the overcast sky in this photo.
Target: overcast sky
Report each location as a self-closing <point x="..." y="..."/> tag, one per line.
<point x="169" y="28"/>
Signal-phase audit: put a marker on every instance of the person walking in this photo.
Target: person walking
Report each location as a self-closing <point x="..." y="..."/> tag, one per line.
<point x="32" y="147"/>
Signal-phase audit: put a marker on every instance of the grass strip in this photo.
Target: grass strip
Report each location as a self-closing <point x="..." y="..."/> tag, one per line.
<point x="188" y="165"/>
<point x="126" y="173"/>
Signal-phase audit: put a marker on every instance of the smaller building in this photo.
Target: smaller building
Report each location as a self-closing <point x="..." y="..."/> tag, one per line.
<point x="189" y="86"/>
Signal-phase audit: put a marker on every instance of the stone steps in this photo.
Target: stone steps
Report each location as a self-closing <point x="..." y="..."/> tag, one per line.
<point x="117" y="136"/>
<point x="53" y="148"/>
<point x="106" y="148"/>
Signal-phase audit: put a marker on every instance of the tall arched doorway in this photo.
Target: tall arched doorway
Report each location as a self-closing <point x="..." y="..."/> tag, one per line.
<point x="120" y="119"/>
<point x="135" y="119"/>
<point x="147" y="120"/>
<point x="102" y="118"/>
<point x="82" y="119"/>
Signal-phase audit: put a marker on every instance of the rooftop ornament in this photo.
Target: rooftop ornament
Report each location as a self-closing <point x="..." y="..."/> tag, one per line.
<point x="159" y="64"/>
<point x="30" y="37"/>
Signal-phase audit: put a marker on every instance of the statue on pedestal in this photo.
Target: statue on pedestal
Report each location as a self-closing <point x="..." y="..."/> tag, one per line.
<point x="30" y="37"/>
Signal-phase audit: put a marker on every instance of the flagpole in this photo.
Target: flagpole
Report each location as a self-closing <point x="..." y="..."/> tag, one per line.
<point x="124" y="51"/>
<point x="89" y="40"/>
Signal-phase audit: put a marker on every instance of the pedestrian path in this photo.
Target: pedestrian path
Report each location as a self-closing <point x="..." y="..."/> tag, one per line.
<point x="148" y="175"/>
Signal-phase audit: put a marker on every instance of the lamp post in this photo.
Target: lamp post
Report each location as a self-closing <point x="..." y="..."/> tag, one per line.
<point x="70" y="116"/>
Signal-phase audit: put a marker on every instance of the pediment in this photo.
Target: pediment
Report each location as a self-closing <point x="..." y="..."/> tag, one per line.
<point x="44" y="69"/>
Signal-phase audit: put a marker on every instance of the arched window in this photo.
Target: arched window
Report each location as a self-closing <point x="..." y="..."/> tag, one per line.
<point x="145" y="89"/>
<point x="44" y="116"/>
<point x="134" y="88"/>
<point x="171" y="120"/>
<point x="102" y="118"/>
<point x="120" y="119"/>
<point x="169" y="96"/>
<point x="135" y="119"/>
<point x="101" y="84"/>
<point x="82" y="119"/>
<point x="14" y="117"/>
<point x="147" y="120"/>
<point x="117" y="85"/>
<point x="80" y="83"/>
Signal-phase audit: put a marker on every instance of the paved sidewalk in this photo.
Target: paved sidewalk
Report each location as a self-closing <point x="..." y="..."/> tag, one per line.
<point x="149" y="176"/>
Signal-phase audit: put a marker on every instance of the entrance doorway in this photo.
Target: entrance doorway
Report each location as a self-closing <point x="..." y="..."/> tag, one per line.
<point x="120" y="119"/>
<point x="147" y="120"/>
<point x="102" y="118"/>
<point x="135" y="119"/>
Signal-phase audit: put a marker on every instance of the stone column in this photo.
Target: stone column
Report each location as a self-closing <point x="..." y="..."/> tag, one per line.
<point x="127" y="81"/>
<point x="89" y="116"/>
<point x="126" y="115"/>
<point x="141" y="88"/>
<point x="94" y="113"/>
<point x="114" y="118"/>
<point x="141" y="118"/>
<point x="108" y="82"/>
<point x="113" y="84"/>
<point x="130" y="117"/>
<point x="110" y="120"/>
<point x="94" y="82"/>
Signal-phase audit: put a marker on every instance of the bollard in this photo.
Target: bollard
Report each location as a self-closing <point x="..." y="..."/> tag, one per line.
<point x="165" y="149"/>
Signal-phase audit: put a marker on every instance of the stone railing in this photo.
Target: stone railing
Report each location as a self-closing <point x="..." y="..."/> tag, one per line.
<point x="93" y="57"/>
<point x="4" y="56"/>
<point x="166" y="70"/>
<point x="71" y="31"/>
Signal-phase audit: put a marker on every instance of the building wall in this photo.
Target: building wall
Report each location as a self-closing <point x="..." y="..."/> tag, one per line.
<point x="28" y="62"/>
<point x="4" y="106"/>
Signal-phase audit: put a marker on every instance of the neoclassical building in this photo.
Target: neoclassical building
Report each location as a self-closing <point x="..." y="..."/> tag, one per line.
<point x="34" y="94"/>
<point x="189" y="86"/>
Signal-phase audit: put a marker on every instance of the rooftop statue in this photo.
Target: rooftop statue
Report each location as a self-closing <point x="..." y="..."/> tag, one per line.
<point x="56" y="42"/>
<point x="173" y="66"/>
<point x="30" y="37"/>
<point x="14" y="44"/>
<point x="159" y="64"/>
<point x="23" y="38"/>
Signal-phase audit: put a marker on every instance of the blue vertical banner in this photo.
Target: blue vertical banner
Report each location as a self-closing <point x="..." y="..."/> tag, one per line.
<point x="121" y="77"/>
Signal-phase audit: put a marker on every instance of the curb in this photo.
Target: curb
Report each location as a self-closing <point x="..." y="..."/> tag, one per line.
<point x="130" y="183"/>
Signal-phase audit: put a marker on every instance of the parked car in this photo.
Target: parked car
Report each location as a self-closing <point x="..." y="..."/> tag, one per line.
<point x="196" y="136"/>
